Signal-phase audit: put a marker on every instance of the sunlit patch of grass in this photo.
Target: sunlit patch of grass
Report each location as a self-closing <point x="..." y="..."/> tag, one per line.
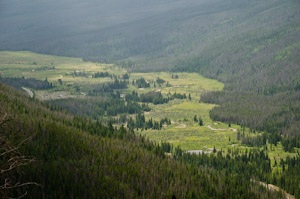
<point x="23" y="63"/>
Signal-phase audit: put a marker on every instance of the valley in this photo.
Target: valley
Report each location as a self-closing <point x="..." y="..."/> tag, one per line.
<point x="73" y="79"/>
<point x="152" y="99"/>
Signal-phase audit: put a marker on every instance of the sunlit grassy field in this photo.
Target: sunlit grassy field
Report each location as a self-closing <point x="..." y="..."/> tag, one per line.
<point x="184" y="131"/>
<point x="27" y="64"/>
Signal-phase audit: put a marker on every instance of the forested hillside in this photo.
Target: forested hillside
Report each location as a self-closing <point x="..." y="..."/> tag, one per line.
<point x="49" y="154"/>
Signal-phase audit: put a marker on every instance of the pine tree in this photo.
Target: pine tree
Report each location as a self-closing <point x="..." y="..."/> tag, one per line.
<point x="200" y="121"/>
<point x="195" y="118"/>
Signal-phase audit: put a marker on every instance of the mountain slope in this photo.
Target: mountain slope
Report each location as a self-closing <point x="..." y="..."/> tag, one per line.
<point x="77" y="158"/>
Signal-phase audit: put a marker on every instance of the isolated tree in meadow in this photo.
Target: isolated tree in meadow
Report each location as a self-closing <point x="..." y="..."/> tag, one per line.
<point x="195" y="118"/>
<point x="200" y="121"/>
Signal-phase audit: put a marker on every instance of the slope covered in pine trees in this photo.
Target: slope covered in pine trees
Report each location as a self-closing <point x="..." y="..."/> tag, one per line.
<point x="69" y="157"/>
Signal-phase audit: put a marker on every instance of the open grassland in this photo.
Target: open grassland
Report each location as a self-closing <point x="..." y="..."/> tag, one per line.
<point x="183" y="131"/>
<point x="38" y="66"/>
<point x="28" y="64"/>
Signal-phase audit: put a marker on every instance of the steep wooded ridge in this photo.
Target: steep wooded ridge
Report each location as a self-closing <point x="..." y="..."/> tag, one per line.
<point x="50" y="154"/>
<point x="251" y="46"/>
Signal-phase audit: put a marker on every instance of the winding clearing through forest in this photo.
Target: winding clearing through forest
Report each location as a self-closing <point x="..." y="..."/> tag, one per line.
<point x="30" y="93"/>
<point x="275" y="188"/>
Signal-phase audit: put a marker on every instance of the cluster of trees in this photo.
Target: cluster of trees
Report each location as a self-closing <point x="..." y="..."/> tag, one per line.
<point x="200" y="120"/>
<point x="97" y="107"/>
<point x="150" y="97"/>
<point x="100" y="89"/>
<point x="26" y="82"/>
<point x="288" y="144"/>
<point x="159" y="81"/>
<point x="102" y="74"/>
<point x="175" y="76"/>
<point x="153" y="97"/>
<point x="289" y="178"/>
<point x="167" y="147"/>
<point x="125" y="76"/>
<point x="258" y="141"/>
<point x="43" y="68"/>
<point x="80" y="74"/>
<point x="132" y="97"/>
<point x="141" y="123"/>
<point x="141" y="83"/>
<point x="177" y="96"/>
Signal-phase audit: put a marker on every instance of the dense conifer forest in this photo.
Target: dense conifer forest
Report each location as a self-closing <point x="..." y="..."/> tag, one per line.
<point x="51" y="154"/>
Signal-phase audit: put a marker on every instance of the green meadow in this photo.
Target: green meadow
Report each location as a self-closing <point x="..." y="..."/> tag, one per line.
<point x="183" y="131"/>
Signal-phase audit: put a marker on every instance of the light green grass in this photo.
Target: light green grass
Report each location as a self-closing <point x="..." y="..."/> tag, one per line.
<point x="23" y="63"/>
<point x="184" y="131"/>
<point x="191" y="137"/>
<point x="284" y="53"/>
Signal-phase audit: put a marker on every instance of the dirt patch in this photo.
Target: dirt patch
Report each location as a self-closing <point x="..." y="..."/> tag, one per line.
<point x="181" y="126"/>
<point x="169" y="155"/>
<point x="233" y="130"/>
<point x="156" y="90"/>
<point x="213" y="129"/>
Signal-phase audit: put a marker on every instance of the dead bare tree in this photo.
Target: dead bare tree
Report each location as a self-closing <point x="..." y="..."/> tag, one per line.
<point x="10" y="160"/>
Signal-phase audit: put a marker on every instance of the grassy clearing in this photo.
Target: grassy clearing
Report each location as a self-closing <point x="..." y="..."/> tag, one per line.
<point x="184" y="131"/>
<point x="28" y="64"/>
